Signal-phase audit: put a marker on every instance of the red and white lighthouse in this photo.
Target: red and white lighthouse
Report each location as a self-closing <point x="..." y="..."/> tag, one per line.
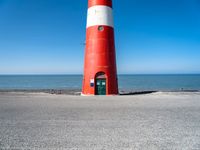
<point x="100" y="73"/>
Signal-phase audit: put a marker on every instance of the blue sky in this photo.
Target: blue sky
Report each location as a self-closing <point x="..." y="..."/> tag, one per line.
<point x="47" y="36"/>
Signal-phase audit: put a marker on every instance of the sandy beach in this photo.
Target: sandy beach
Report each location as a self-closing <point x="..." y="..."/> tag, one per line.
<point x="161" y="120"/>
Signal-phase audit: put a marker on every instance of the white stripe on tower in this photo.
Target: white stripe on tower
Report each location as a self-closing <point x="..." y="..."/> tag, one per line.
<point x="100" y="15"/>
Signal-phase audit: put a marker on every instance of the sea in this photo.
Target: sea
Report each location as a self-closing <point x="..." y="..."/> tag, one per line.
<point x="180" y="82"/>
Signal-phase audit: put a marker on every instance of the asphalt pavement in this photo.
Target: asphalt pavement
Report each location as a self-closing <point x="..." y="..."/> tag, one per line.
<point x="162" y="121"/>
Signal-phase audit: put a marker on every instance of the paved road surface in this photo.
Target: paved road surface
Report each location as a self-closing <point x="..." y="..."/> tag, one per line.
<point x="153" y="121"/>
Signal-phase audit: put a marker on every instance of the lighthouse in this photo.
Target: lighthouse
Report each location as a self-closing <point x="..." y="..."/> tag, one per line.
<point x="100" y="71"/>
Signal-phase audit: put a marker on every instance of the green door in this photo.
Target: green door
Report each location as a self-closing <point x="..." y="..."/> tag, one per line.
<point x="100" y="86"/>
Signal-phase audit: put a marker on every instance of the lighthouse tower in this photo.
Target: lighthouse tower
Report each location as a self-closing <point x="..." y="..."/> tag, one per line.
<point x="100" y="73"/>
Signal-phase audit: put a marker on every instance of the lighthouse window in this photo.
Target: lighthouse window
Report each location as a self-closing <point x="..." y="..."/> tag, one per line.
<point x="100" y="28"/>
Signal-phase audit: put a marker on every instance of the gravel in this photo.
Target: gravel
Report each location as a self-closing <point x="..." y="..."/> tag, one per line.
<point x="154" y="121"/>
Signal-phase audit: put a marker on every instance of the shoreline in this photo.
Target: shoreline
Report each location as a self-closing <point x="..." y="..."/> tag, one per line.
<point x="78" y="91"/>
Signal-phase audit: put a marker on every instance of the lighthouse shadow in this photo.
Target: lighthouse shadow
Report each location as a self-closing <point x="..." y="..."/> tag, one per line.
<point x="123" y="93"/>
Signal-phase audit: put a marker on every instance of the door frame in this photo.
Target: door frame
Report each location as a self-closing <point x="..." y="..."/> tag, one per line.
<point x="100" y="75"/>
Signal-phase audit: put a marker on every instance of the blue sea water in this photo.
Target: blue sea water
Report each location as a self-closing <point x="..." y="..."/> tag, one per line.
<point x="126" y="82"/>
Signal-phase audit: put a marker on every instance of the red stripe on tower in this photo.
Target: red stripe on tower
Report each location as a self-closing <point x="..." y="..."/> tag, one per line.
<point x="100" y="73"/>
<point x="99" y="2"/>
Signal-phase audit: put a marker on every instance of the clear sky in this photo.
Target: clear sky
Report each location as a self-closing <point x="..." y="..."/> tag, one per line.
<point x="47" y="36"/>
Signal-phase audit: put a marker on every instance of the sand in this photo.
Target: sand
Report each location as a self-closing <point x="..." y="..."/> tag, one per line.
<point x="162" y="120"/>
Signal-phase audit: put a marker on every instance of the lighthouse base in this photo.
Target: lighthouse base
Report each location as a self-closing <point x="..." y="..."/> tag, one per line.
<point x="87" y="94"/>
<point x="90" y="95"/>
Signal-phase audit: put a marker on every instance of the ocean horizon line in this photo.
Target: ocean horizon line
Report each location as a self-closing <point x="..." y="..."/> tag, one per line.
<point x="125" y="81"/>
<point x="82" y="74"/>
